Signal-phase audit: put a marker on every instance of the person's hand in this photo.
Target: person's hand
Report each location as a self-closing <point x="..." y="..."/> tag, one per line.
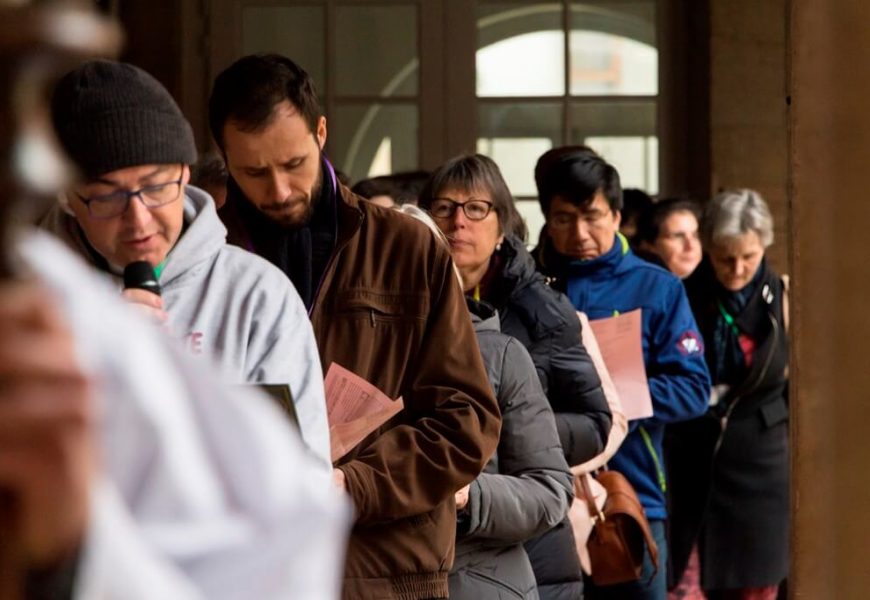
<point x="338" y="479"/>
<point x="462" y="497"/>
<point x="147" y="302"/>
<point x="717" y="392"/>
<point x="47" y="459"/>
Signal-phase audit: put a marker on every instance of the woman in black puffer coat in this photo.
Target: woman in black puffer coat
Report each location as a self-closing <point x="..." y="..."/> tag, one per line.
<point x="471" y="204"/>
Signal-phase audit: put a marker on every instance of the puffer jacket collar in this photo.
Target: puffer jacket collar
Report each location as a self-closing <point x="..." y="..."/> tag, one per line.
<point x="557" y="268"/>
<point x="517" y="272"/>
<point x="483" y="316"/>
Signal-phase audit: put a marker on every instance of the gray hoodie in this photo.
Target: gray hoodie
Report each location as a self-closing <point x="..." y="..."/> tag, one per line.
<point x="234" y="307"/>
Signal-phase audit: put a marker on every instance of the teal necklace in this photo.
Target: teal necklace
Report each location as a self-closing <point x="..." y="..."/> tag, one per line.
<point x="729" y="320"/>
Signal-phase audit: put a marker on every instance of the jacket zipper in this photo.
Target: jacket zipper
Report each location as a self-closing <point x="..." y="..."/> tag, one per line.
<point x="328" y="269"/>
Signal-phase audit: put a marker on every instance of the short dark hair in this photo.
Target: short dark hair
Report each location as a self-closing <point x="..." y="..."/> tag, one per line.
<point x="403" y="187"/>
<point x="248" y="91"/>
<point x="375" y="186"/>
<point x="409" y="184"/>
<point x="650" y="222"/>
<point x="576" y="173"/>
<point x="209" y="171"/>
<point x="477" y="172"/>
<point x="635" y="203"/>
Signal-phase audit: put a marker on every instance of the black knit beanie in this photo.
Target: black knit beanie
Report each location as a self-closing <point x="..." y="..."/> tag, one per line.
<point x="110" y="115"/>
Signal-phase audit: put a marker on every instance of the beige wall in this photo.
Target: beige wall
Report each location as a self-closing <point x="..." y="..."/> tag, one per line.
<point x="748" y="105"/>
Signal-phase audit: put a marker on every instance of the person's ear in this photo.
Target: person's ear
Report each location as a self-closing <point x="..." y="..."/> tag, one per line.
<point x="617" y="218"/>
<point x="63" y="202"/>
<point x="320" y="134"/>
<point x="185" y="175"/>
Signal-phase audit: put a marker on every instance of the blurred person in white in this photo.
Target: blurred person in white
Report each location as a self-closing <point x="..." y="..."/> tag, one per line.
<point x="172" y="487"/>
<point x="126" y="471"/>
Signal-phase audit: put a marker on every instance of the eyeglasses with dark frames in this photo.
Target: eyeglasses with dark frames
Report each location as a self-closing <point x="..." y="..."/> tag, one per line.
<point x="107" y="206"/>
<point x="445" y="208"/>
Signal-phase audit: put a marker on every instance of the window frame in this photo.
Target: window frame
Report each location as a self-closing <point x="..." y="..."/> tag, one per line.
<point x="447" y="40"/>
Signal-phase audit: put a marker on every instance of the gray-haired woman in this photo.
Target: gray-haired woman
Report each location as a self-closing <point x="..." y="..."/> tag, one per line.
<point x="729" y="469"/>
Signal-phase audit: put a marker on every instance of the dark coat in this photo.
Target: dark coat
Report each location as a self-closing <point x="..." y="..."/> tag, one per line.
<point x="525" y="488"/>
<point x="729" y="470"/>
<point x="547" y="325"/>
<point x="389" y="308"/>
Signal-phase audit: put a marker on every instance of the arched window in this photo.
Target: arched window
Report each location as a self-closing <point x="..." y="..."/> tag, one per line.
<point x="567" y="73"/>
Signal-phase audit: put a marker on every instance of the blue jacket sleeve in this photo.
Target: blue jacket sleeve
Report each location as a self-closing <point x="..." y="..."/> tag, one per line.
<point x="679" y="382"/>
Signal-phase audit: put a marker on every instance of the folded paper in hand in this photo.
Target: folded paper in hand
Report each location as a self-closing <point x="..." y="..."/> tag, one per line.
<point x="619" y="339"/>
<point x="355" y="408"/>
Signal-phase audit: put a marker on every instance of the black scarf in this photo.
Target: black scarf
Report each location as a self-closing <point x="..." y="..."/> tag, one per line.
<point x="303" y="253"/>
<point x="730" y="364"/>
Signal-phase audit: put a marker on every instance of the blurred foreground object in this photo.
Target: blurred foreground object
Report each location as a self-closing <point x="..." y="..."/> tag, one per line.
<point x="150" y="479"/>
<point x="39" y="40"/>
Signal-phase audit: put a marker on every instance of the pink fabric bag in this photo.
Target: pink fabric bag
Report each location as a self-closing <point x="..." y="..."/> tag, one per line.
<point x="579" y="516"/>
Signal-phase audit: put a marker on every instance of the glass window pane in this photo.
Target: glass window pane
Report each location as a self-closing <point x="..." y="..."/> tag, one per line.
<point x="376" y="50"/>
<point x="366" y="140"/>
<point x="531" y="213"/>
<point x="612" y="49"/>
<point x="625" y="134"/>
<point x="515" y="135"/>
<point x="521" y="50"/>
<point x="294" y="32"/>
<point x="596" y="118"/>
<point x="636" y="159"/>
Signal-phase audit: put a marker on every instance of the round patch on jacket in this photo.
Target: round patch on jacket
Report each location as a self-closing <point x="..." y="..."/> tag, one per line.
<point x="690" y="343"/>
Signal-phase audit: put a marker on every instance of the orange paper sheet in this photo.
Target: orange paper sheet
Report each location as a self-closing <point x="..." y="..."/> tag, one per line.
<point x="355" y="408"/>
<point x="619" y="339"/>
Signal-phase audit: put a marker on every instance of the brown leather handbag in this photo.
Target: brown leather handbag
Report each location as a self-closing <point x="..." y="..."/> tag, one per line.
<point x="621" y="534"/>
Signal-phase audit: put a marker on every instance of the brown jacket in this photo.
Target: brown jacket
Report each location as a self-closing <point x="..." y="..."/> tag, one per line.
<point x="391" y="310"/>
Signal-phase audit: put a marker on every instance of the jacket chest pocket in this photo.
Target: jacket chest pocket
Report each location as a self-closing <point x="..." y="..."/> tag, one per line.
<point x="376" y="335"/>
<point x="382" y="308"/>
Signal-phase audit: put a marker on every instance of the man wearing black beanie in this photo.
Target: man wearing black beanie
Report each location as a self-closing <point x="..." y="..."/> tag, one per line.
<point x="134" y="149"/>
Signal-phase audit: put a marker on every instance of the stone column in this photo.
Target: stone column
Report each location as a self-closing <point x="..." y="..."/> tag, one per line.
<point x="829" y="156"/>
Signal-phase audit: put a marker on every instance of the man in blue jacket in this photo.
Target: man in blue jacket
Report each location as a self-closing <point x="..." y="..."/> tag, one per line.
<point x="586" y="257"/>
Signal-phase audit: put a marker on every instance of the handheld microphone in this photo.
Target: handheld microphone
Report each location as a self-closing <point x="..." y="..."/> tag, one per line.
<point x="140" y="275"/>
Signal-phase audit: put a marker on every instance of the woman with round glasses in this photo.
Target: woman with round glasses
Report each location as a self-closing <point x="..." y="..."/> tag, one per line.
<point x="525" y="488"/>
<point x="471" y="204"/>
